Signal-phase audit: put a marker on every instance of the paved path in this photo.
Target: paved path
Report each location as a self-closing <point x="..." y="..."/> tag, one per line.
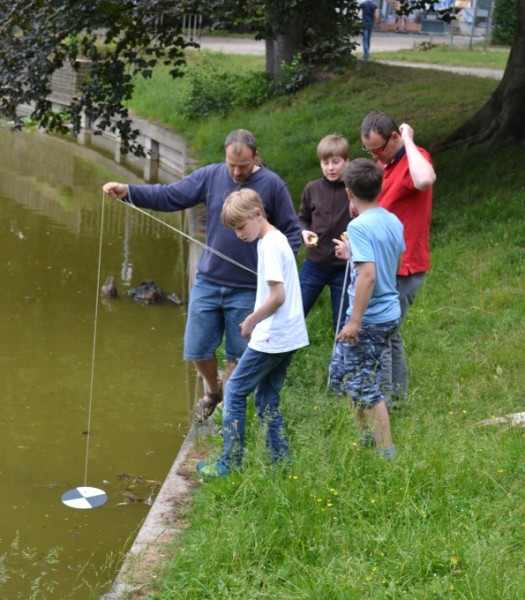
<point x="230" y="45"/>
<point x="382" y="41"/>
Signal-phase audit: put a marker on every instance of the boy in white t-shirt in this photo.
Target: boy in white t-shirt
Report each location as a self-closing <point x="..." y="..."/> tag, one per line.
<point x="275" y="329"/>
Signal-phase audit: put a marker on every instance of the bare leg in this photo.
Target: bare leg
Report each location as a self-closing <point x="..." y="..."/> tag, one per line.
<point x="208" y="370"/>
<point x="382" y="431"/>
<point x="376" y="419"/>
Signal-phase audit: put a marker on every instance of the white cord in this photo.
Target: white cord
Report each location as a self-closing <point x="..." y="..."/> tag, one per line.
<point x="192" y="239"/>
<point x="88" y="430"/>
<point x="340" y="315"/>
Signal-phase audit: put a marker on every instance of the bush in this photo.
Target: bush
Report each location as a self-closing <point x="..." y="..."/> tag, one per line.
<point x="206" y="93"/>
<point x="212" y="90"/>
<point x="252" y="90"/>
<point x="295" y="76"/>
<point x="504" y="22"/>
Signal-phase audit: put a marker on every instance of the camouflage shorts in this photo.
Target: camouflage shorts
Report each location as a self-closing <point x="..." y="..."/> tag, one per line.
<point x="354" y="368"/>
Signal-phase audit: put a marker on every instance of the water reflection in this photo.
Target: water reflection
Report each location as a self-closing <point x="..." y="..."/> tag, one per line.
<point x="50" y="211"/>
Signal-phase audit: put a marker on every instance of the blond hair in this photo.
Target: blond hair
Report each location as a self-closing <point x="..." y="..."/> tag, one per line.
<point x="240" y="206"/>
<point x="333" y="145"/>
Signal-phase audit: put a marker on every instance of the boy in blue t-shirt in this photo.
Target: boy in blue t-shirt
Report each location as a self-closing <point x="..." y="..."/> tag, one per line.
<point x="376" y="243"/>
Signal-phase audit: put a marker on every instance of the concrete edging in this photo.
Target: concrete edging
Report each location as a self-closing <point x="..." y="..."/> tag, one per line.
<point x="161" y="525"/>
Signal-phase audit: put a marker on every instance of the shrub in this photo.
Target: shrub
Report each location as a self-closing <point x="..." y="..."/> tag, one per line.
<point x="211" y="90"/>
<point x="504" y="22"/>
<point x="215" y="91"/>
<point x="207" y="93"/>
<point x="295" y="75"/>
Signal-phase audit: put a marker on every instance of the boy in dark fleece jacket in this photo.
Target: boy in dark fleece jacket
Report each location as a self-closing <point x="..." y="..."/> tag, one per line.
<point x="324" y="215"/>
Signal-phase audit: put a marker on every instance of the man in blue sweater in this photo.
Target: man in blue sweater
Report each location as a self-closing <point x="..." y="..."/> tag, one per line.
<point x="223" y="294"/>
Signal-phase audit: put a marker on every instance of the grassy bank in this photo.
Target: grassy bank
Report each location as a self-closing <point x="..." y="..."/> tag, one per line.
<point x="445" y="518"/>
<point x="442" y="54"/>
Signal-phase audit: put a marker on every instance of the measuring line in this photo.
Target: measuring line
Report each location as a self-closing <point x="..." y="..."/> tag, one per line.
<point x="85" y="497"/>
<point x="94" y="341"/>
<point x="340" y="315"/>
<point x="188" y="237"/>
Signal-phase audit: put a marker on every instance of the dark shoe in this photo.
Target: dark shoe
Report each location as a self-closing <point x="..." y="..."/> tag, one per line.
<point x="205" y="406"/>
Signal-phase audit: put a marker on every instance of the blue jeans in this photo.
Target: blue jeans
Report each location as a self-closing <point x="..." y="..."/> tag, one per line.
<point x="367" y="34"/>
<point x="313" y="278"/>
<point x="213" y="311"/>
<point x="266" y="374"/>
<point x="394" y="379"/>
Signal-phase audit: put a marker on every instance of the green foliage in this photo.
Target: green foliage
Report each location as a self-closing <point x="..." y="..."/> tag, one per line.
<point x="37" y="38"/>
<point x="123" y="40"/>
<point x="319" y="31"/>
<point x="210" y="89"/>
<point x="504" y="20"/>
<point x="295" y="76"/>
<point x="163" y="100"/>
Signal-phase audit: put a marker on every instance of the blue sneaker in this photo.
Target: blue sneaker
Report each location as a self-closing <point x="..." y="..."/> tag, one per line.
<point x="212" y="470"/>
<point x="387" y="453"/>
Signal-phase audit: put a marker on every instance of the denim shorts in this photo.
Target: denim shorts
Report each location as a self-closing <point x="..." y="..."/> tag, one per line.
<point x="354" y="368"/>
<point x="215" y="310"/>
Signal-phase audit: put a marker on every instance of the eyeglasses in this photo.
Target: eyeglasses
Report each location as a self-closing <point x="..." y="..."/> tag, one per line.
<point x="378" y="150"/>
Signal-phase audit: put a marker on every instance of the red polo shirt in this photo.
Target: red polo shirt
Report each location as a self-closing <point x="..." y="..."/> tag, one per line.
<point x="412" y="207"/>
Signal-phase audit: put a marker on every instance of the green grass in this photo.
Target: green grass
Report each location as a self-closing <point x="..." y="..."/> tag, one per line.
<point x="223" y="33"/>
<point x="445" y="519"/>
<point x="289" y="128"/>
<point x="160" y="97"/>
<point x="442" y="54"/>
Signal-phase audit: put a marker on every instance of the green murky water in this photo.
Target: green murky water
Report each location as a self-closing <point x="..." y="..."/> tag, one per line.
<point x="50" y="214"/>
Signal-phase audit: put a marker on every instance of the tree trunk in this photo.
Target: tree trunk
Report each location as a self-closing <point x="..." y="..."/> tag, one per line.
<point x="283" y="47"/>
<point x="502" y="119"/>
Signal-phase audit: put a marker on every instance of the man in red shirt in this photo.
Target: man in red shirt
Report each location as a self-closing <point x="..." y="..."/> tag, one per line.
<point x="407" y="192"/>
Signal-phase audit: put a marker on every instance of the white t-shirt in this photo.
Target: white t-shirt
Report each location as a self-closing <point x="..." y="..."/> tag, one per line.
<point x="285" y="330"/>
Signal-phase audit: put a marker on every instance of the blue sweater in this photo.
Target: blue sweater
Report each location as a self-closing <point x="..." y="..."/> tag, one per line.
<point x="211" y="185"/>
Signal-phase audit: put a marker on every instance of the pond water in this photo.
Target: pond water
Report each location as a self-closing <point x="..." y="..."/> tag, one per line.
<point x="62" y="369"/>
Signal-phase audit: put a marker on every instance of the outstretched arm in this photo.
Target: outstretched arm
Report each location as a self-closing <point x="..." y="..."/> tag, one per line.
<point x="421" y="170"/>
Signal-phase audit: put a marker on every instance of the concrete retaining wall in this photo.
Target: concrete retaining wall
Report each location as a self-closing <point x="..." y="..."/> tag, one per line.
<point x="166" y="151"/>
<point x="150" y="550"/>
<point x="66" y="82"/>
